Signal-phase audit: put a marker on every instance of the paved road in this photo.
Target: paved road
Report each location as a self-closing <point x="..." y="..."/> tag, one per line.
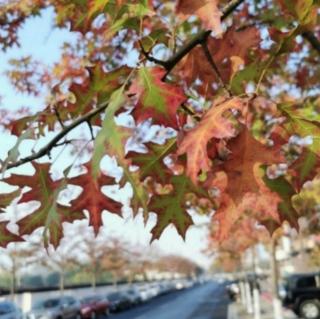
<point x="207" y="301"/>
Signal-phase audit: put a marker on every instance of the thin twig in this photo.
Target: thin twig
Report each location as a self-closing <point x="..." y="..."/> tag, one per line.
<point x="151" y="58"/>
<point x="58" y="116"/>
<point x="198" y="39"/>
<point x="315" y="43"/>
<point x="214" y="66"/>
<point x="91" y="130"/>
<point x="190" y="112"/>
<point x="45" y="150"/>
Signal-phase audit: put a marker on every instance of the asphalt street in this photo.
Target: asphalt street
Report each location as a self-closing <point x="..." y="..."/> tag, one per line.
<point x="207" y="301"/>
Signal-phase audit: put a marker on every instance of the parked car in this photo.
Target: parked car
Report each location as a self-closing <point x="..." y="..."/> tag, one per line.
<point x="302" y="294"/>
<point x="56" y="308"/>
<point x="119" y="301"/>
<point x="145" y="293"/>
<point x="134" y="295"/>
<point x="8" y="310"/>
<point x="93" y="306"/>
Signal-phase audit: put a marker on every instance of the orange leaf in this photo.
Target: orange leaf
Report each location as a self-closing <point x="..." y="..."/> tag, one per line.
<point x="229" y="54"/>
<point x="212" y="125"/>
<point x="245" y="153"/>
<point x="206" y="10"/>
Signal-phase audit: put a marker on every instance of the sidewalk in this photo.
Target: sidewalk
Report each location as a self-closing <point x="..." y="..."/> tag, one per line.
<point x="237" y="310"/>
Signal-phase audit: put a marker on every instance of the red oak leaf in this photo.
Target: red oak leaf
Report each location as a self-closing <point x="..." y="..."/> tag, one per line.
<point x="92" y="198"/>
<point x="207" y="11"/>
<point x="6" y="236"/>
<point x="229" y="53"/>
<point x="156" y="99"/>
<point x="45" y="191"/>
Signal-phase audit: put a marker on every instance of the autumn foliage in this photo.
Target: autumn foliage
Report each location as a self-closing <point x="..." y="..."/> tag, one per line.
<point x="229" y="90"/>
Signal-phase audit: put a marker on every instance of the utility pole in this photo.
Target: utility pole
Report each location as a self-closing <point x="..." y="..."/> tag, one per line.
<point x="277" y="307"/>
<point x="256" y="293"/>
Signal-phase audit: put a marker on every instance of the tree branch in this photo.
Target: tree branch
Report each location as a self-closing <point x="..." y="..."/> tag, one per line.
<point x="58" y="116"/>
<point x="214" y="66"/>
<point x="200" y="38"/>
<point x="45" y="150"/>
<point x="315" y="43"/>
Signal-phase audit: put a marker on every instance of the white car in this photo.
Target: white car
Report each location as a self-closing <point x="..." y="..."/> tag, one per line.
<point x="65" y="307"/>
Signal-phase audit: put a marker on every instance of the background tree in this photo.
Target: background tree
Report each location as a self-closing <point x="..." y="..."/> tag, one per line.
<point x="115" y="259"/>
<point x="16" y="258"/>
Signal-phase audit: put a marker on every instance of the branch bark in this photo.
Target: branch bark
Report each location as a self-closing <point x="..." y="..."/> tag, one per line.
<point x="214" y="66"/>
<point x="199" y="38"/>
<point x="45" y="150"/>
<point x="315" y="43"/>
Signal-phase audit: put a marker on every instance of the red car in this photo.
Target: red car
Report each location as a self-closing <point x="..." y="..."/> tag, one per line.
<point x="94" y="306"/>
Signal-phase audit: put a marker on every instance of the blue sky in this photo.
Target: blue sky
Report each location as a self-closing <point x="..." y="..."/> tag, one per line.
<point x="41" y="41"/>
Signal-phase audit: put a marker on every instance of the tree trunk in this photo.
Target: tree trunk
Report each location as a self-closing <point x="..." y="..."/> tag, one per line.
<point x="61" y="282"/>
<point x="115" y="280"/>
<point x="13" y="284"/>
<point x="94" y="280"/>
<point x="277" y="307"/>
<point x="248" y="298"/>
<point x="255" y="292"/>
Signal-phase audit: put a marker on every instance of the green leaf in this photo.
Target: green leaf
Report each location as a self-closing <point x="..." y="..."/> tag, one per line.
<point x="6" y="236"/>
<point x="14" y="153"/>
<point x="112" y="139"/>
<point x="7" y="198"/>
<point x="302" y="126"/>
<point x="172" y="208"/>
<point x="151" y="163"/>
<point x="285" y="190"/>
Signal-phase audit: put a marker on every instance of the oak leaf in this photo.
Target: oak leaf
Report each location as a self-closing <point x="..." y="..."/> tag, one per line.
<point x="152" y="163"/>
<point x="156" y="99"/>
<point x="6" y="236"/>
<point x="207" y="11"/>
<point x="229" y="54"/>
<point x="7" y="198"/>
<point x="92" y="198"/>
<point x="111" y="139"/>
<point x="245" y="191"/>
<point x="246" y="153"/>
<point x="50" y="214"/>
<point x="212" y="125"/>
<point x="171" y="208"/>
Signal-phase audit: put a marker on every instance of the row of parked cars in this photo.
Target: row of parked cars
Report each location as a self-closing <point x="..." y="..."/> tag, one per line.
<point x="93" y="306"/>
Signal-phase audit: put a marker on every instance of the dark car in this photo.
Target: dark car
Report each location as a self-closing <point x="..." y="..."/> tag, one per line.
<point x="94" y="306"/>
<point x="119" y="301"/>
<point x="56" y="308"/>
<point x="302" y="294"/>
<point x="8" y="310"/>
